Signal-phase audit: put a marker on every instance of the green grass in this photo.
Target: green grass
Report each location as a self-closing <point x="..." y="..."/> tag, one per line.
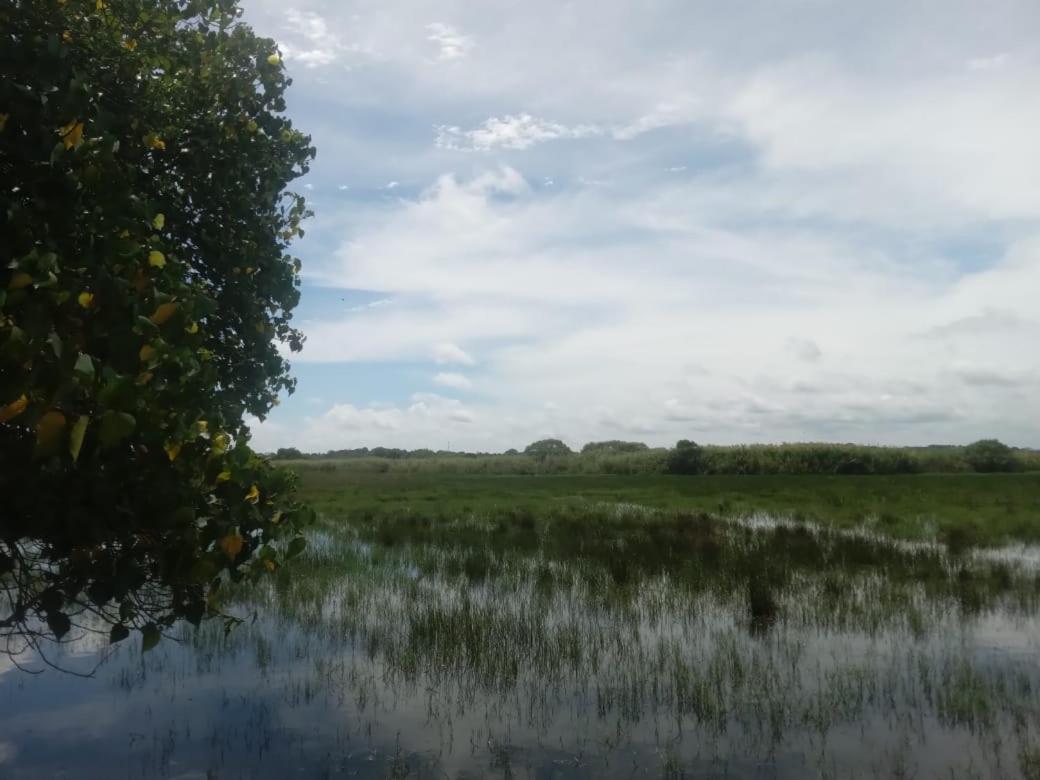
<point x="961" y="508"/>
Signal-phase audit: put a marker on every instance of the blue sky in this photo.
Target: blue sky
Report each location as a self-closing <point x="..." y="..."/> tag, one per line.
<point x="753" y="221"/>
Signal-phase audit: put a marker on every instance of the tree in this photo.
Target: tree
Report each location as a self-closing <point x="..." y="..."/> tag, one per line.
<point x="685" y="458"/>
<point x="613" y="447"/>
<point x="990" y="455"/>
<point x="145" y="290"/>
<point x="288" y="453"/>
<point x="545" y="448"/>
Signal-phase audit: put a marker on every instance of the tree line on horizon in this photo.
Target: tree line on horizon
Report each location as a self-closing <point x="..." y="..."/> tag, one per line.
<point x="686" y="457"/>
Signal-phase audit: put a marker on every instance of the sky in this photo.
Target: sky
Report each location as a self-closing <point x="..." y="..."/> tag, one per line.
<point x="756" y="221"/>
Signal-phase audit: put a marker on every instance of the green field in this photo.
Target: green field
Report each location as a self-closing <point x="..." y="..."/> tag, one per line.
<point x="962" y="508"/>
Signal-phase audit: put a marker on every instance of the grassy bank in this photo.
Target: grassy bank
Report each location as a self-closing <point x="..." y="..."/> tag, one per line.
<point x="963" y="509"/>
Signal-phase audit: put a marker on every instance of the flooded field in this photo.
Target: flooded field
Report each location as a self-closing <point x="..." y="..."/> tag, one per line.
<point x="601" y="641"/>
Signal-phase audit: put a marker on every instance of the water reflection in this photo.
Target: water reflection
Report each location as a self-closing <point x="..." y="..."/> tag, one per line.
<point x="602" y="643"/>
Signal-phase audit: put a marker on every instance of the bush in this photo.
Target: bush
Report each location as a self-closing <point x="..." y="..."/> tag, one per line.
<point x="989" y="456"/>
<point x="685" y="458"/>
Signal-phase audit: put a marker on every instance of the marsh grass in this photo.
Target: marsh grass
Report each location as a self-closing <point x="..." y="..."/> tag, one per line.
<point x="550" y="631"/>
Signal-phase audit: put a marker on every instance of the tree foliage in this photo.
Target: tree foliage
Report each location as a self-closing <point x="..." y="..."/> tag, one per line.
<point x="545" y="448"/>
<point x="686" y="458"/>
<point x="990" y="455"/>
<point x="145" y="298"/>
<point x="613" y="447"/>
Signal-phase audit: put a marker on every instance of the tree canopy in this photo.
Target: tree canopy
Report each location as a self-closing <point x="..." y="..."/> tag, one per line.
<point x="145" y="300"/>
<point x="990" y="455"/>
<point x="544" y="448"/>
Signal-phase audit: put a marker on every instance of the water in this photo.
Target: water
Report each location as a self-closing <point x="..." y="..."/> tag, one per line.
<point x="613" y="643"/>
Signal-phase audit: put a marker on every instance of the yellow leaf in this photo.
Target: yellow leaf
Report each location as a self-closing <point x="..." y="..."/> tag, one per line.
<point x="223" y="476"/>
<point x="13" y="409"/>
<point x="164" y="312"/>
<point x="173" y="449"/>
<point x="203" y="426"/>
<point x="220" y="444"/>
<point x="159" y="221"/>
<point x="79" y="430"/>
<point x="192" y="329"/>
<point x="49" y="431"/>
<point x="124" y="234"/>
<point x="100" y="5"/>
<point x="270" y="565"/>
<point x="72" y="134"/>
<point x="67" y="36"/>
<point x="154" y="142"/>
<point x="147" y="353"/>
<point x="232" y="545"/>
<point x="3" y="121"/>
<point x="253" y="496"/>
<point x="85" y="299"/>
<point x="144" y="377"/>
<point x="156" y="259"/>
<point x="274" y="59"/>
<point x="130" y="44"/>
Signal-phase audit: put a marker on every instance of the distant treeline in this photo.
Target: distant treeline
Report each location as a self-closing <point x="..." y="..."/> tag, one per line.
<point x="552" y="456"/>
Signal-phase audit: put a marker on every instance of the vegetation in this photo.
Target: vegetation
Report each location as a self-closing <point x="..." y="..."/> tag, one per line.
<point x="990" y="455"/>
<point x="547" y="448"/>
<point x="965" y="509"/>
<point x="457" y="627"/>
<point x="686" y="458"/>
<point x="145" y="288"/>
<point x="552" y="456"/>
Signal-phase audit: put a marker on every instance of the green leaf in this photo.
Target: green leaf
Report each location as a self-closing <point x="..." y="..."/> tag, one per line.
<point x="58" y="623"/>
<point x="79" y="430"/>
<point x="84" y="366"/>
<point x="55" y="341"/>
<point x="296" y="546"/>
<point x="116" y="426"/>
<point x="118" y="633"/>
<point x="150" y="637"/>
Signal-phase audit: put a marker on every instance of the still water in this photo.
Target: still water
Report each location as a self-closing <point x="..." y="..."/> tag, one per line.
<point x="610" y="642"/>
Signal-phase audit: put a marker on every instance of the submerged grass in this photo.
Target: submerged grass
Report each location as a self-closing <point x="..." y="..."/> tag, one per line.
<point x="613" y="627"/>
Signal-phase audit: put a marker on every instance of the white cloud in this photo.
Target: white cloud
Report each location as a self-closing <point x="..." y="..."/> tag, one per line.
<point x="852" y="249"/>
<point x="453" y="380"/>
<point x="518" y="131"/>
<point x="317" y="45"/>
<point x="805" y="349"/>
<point x="451" y="44"/>
<point x="446" y="353"/>
<point x="427" y="420"/>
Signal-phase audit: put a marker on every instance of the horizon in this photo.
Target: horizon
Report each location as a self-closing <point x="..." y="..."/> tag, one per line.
<point x="823" y="225"/>
<point x="577" y="449"/>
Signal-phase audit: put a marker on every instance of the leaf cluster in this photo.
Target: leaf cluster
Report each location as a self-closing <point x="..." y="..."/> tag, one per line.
<point x="146" y="290"/>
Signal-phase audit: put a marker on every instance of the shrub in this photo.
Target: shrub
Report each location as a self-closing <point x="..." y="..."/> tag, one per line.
<point x="990" y="455"/>
<point x="685" y="458"/>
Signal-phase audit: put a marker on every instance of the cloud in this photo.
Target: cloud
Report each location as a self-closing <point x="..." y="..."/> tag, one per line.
<point x="451" y="44"/>
<point x="427" y="420"/>
<point x="805" y="349"/>
<point x="318" y="45"/>
<point x="751" y="231"/>
<point x="510" y="132"/>
<point x="453" y="380"/>
<point x="447" y="353"/>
